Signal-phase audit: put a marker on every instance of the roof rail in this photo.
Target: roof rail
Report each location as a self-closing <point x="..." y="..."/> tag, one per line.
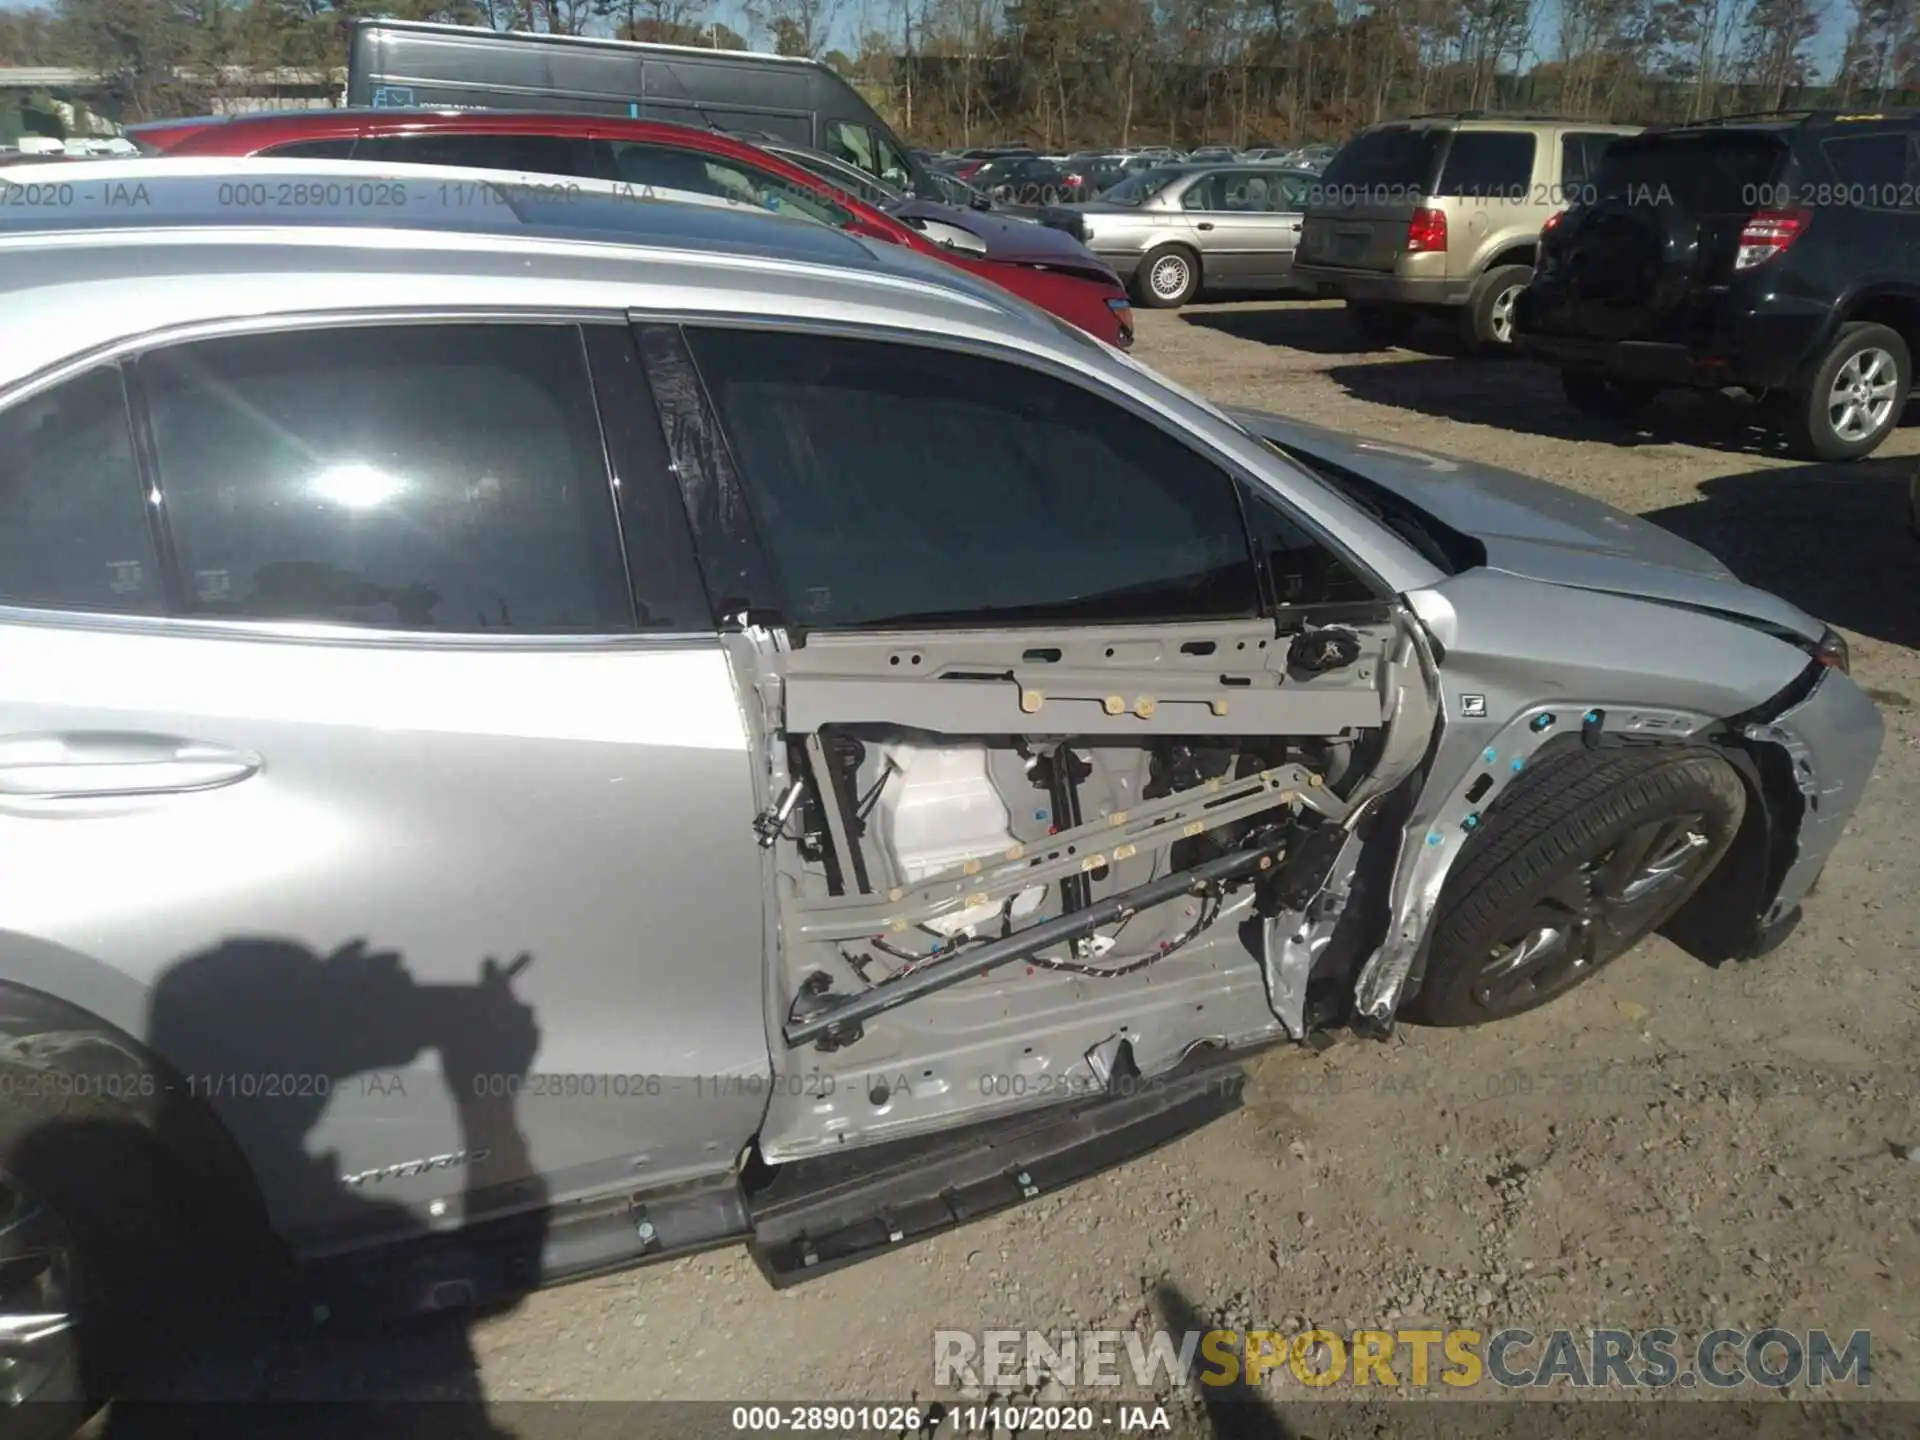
<point x="1526" y="116"/>
<point x="1805" y="115"/>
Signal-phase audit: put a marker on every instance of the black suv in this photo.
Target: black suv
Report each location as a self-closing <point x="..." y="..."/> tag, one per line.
<point x="1778" y="253"/>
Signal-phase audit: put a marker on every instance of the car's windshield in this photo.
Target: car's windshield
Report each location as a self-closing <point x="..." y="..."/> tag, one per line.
<point x="845" y="178"/>
<point x="1447" y="550"/>
<point x="671" y="168"/>
<point x="1141" y="188"/>
<point x="952" y="191"/>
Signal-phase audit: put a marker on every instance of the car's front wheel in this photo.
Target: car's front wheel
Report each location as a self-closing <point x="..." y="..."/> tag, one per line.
<point x="1858" y="390"/>
<point x="1167" y="278"/>
<point x="1581" y="860"/>
<point x="92" y="1237"/>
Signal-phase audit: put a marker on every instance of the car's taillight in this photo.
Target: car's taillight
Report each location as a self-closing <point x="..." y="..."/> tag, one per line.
<point x="1075" y="181"/>
<point x="1427" y="231"/>
<point x="1768" y="233"/>
<point x="1553" y="222"/>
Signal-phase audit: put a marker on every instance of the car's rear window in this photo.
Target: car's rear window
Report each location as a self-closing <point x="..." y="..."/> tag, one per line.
<point x="1701" y="172"/>
<point x="1395" y="158"/>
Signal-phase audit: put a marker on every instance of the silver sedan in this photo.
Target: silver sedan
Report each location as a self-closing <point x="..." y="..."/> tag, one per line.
<point x="1174" y="232"/>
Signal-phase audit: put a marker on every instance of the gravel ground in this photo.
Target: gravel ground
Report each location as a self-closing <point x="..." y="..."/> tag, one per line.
<point x="1669" y="1145"/>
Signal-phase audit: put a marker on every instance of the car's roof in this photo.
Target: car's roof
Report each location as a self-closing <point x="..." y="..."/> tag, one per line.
<point x="365" y="120"/>
<point x="142" y="245"/>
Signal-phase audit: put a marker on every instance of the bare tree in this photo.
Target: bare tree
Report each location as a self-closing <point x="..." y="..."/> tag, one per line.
<point x="798" y="27"/>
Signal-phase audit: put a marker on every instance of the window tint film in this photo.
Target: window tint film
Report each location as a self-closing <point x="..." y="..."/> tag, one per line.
<point x="1573" y="161"/>
<point x="340" y="149"/>
<point x="664" y="167"/>
<point x="1487" y="165"/>
<point x="73" y="521"/>
<point x="1580" y="157"/>
<point x="916" y="487"/>
<point x="1392" y="159"/>
<point x="1701" y="172"/>
<point x="432" y="477"/>
<point x="1878" y="164"/>
<point x="539" y="154"/>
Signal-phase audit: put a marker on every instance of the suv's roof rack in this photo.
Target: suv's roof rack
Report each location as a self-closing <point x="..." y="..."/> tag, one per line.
<point x="1804" y="115"/>
<point x="1526" y="117"/>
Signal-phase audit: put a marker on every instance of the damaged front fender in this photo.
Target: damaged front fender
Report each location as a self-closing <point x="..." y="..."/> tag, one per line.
<point x="1806" y="767"/>
<point x="1819" y="753"/>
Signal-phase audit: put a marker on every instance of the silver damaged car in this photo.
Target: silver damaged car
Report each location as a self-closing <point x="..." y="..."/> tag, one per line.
<point x="541" y="735"/>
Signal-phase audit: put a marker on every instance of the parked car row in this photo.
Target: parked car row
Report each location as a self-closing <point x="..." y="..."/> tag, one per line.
<point x="1017" y="175"/>
<point x="1779" y="254"/>
<point x="1050" y="270"/>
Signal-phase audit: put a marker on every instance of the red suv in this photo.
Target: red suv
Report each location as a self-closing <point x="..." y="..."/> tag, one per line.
<point x="1072" y="283"/>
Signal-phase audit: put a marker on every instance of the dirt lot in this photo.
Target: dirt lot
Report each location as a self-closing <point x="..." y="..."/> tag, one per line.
<point x="1669" y="1145"/>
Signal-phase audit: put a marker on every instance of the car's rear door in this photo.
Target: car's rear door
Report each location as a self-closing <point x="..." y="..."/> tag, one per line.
<point x="1243" y="238"/>
<point x="392" y="674"/>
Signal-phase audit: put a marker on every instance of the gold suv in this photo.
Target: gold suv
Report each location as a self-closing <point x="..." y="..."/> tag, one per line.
<point x="1441" y="214"/>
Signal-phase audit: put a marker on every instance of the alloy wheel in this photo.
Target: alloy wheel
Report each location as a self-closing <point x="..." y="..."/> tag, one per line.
<point x="1501" y="320"/>
<point x="37" y="1338"/>
<point x="1593" y="914"/>
<point x="1169" y="277"/>
<point x="1861" y="400"/>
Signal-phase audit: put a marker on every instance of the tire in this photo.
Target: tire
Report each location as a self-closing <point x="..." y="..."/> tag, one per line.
<point x="1874" y="362"/>
<point x="1486" y="321"/>
<point x="1606" y="397"/>
<point x="1386" y="324"/>
<point x="1163" y="264"/>
<point x="1597" y="847"/>
<point x="90" y="1200"/>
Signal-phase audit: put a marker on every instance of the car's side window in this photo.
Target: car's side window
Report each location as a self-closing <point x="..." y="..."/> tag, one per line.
<point x="536" y="154"/>
<point x="1574" y="171"/>
<point x="1488" y="165"/>
<point x="898" y="486"/>
<point x="1290" y="193"/>
<point x="340" y="149"/>
<point x="1875" y="168"/>
<point x="667" y="167"/>
<point x="1300" y="570"/>
<point x="444" y="478"/>
<point x="1206" y="193"/>
<point x="74" y="532"/>
<point x="866" y="148"/>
